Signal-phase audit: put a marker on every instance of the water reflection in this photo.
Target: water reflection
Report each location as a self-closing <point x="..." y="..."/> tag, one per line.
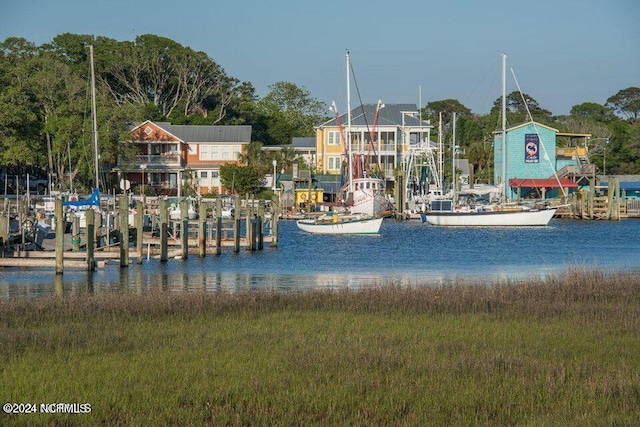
<point x="406" y="254"/>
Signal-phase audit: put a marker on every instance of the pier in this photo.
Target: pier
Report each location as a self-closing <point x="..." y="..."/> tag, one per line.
<point x="125" y="232"/>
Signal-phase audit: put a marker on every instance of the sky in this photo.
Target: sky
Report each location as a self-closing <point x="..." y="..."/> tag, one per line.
<point x="562" y="52"/>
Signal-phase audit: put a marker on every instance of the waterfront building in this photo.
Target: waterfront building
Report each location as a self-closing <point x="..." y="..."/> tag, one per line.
<point x="170" y="156"/>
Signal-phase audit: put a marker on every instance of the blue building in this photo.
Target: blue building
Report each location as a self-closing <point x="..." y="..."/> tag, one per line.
<point x="532" y="160"/>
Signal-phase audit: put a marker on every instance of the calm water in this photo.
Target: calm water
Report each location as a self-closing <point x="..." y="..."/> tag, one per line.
<point x="407" y="252"/>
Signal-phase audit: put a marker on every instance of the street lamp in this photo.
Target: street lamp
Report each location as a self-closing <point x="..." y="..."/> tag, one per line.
<point x="275" y="163"/>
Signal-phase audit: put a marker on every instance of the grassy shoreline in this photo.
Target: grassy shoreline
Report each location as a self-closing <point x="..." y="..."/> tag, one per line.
<point x="555" y="351"/>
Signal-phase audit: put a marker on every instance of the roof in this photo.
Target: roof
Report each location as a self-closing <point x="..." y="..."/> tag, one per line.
<point x="390" y="115"/>
<point x="541" y="183"/>
<point x="207" y="133"/>
<point x="304" y="143"/>
<point x="512" y="128"/>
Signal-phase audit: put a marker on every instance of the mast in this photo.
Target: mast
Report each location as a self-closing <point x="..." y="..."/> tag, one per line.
<point x="350" y="154"/>
<point x="504" y="128"/>
<point x="453" y="159"/>
<point x="95" y="121"/>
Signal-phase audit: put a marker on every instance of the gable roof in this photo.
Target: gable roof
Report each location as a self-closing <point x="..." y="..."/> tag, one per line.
<point x="389" y="115"/>
<point x="530" y="123"/>
<point x="206" y="133"/>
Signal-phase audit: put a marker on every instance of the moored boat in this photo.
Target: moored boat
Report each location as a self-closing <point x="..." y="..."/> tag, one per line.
<point x="334" y="223"/>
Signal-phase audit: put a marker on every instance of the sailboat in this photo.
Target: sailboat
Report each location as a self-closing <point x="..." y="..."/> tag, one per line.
<point x="446" y="213"/>
<point x="75" y="205"/>
<point x="363" y="197"/>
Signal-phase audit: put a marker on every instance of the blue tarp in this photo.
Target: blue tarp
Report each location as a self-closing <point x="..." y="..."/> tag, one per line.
<point x="94" y="200"/>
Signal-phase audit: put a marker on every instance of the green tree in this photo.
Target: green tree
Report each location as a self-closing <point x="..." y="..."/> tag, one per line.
<point x="518" y="104"/>
<point x="626" y="103"/>
<point x="241" y="180"/>
<point x="448" y="106"/>
<point x="593" y="111"/>
<point x="290" y="111"/>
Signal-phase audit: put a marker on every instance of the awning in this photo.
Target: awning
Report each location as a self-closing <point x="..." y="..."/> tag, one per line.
<point x="541" y="183"/>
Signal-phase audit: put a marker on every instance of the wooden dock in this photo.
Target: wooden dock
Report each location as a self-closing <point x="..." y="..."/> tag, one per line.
<point x="93" y="247"/>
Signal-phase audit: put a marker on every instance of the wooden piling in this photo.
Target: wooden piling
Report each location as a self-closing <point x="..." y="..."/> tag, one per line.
<point x="260" y="225"/>
<point x="164" y="218"/>
<point x="98" y="229"/>
<point x="123" y="218"/>
<point x="59" y="219"/>
<point x="236" y="225"/>
<point x="218" y="217"/>
<point x="90" y="217"/>
<point x="184" y="227"/>
<point x="75" y="232"/>
<point x="139" y="229"/>
<point x="202" y="229"/>
<point x="275" y="210"/>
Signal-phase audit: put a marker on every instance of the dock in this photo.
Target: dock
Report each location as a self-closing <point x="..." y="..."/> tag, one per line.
<point x="144" y="231"/>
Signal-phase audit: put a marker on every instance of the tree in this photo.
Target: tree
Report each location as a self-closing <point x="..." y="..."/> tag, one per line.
<point x="242" y="180"/>
<point x="522" y="104"/>
<point x="290" y="111"/>
<point x="432" y="109"/>
<point x="626" y="103"/>
<point x="593" y="111"/>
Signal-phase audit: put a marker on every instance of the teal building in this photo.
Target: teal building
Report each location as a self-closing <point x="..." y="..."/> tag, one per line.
<point x="531" y="159"/>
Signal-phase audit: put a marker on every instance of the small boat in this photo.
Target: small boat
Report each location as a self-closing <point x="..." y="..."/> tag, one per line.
<point x="333" y="223"/>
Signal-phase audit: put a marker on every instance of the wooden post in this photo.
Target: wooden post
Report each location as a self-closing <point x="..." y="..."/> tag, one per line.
<point x="218" y="216"/>
<point x="90" y="216"/>
<point x="202" y="229"/>
<point x="251" y="237"/>
<point x="139" y="227"/>
<point x="591" y="194"/>
<point x="123" y="218"/>
<point x="236" y="225"/>
<point x="75" y="232"/>
<point x="275" y="211"/>
<point x="184" y="227"/>
<point x="260" y="225"/>
<point x="59" y="219"/>
<point x="164" y="217"/>
<point x="98" y="229"/>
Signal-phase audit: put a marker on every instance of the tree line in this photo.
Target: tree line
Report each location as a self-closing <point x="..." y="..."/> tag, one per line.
<point x="45" y="112"/>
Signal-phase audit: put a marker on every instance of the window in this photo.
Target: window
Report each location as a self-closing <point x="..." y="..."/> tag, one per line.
<point x="192" y="148"/>
<point x="333" y="137"/>
<point x="205" y="152"/>
<point x="215" y="152"/>
<point x="204" y="174"/>
<point x="333" y="163"/>
<point x="226" y="152"/>
<point x="236" y="151"/>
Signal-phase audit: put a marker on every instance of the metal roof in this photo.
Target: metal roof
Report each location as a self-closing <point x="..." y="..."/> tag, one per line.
<point x="196" y="133"/>
<point x="390" y="115"/>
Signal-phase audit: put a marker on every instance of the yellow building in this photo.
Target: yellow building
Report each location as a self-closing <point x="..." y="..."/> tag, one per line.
<point x="381" y="136"/>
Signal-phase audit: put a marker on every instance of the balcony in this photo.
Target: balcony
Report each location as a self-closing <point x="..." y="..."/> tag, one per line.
<point x="158" y="161"/>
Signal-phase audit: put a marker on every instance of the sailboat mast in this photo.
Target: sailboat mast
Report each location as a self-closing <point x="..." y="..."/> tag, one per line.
<point x="504" y="127"/>
<point x="95" y="121"/>
<point x="350" y="154"/>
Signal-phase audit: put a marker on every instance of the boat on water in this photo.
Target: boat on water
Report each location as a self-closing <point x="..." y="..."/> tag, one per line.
<point x="444" y="213"/>
<point x="447" y="213"/>
<point x="334" y="223"/>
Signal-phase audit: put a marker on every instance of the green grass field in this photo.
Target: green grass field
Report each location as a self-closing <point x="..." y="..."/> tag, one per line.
<point x="562" y="351"/>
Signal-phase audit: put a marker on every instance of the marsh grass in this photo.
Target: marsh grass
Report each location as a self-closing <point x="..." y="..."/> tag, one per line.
<point x="559" y="351"/>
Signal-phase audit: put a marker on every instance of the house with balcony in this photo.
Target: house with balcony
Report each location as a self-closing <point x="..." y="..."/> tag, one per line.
<point x="381" y="135"/>
<point x="168" y="156"/>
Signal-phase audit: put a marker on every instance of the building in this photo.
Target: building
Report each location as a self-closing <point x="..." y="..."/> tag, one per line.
<point x="170" y="156"/>
<point x="381" y="135"/>
<point x="535" y="162"/>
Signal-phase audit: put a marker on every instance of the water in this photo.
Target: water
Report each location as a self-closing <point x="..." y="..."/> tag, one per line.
<point x="406" y="253"/>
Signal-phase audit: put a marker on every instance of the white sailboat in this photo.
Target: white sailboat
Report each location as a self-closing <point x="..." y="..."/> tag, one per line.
<point x="445" y="213"/>
<point x="364" y="197"/>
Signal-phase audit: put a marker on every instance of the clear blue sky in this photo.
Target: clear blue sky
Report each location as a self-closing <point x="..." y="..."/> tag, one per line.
<point x="563" y="52"/>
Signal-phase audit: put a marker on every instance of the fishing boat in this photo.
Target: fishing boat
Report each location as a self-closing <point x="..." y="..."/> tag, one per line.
<point x="334" y="223"/>
<point x="447" y="213"/>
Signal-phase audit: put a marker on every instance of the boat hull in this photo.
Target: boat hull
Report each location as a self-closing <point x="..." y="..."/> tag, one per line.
<point x="358" y="226"/>
<point x="525" y="218"/>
